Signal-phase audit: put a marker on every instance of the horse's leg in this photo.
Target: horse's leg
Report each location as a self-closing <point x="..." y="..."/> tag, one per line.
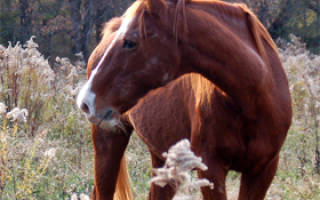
<point x="217" y="169"/>
<point x="108" y="151"/>
<point x="157" y="192"/>
<point x="254" y="186"/>
<point x="216" y="174"/>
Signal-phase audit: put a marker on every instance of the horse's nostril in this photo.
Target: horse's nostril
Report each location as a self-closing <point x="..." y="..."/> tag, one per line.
<point x="85" y="108"/>
<point x="108" y="114"/>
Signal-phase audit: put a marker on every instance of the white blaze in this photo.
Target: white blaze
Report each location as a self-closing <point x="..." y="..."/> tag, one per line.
<point x="86" y="95"/>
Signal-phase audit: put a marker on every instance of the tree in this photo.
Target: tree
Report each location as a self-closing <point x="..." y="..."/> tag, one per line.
<point x="25" y="20"/>
<point x="8" y="22"/>
<point x="283" y="17"/>
<point x="82" y="26"/>
<point x="88" y="16"/>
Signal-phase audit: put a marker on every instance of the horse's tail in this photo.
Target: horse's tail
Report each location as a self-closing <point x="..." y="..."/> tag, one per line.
<point x="123" y="191"/>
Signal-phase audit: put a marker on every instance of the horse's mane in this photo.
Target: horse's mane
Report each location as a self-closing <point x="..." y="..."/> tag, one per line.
<point x="202" y="89"/>
<point x="259" y="32"/>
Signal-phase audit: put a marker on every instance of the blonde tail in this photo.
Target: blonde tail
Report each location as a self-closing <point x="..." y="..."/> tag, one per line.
<point x="123" y="191"/>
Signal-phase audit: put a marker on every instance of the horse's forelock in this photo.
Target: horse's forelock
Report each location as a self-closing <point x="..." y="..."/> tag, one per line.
<point x="136" y="10"/>
<point x="160" y="8"/>
<point x="111" y="26"/>
<point x="139" y="9"/>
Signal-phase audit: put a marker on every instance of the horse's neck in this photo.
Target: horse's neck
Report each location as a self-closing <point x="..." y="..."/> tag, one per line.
<point x="227" y="56"/>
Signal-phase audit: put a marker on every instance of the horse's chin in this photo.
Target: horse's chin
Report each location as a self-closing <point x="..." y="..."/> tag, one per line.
<point x="113" y="125"/>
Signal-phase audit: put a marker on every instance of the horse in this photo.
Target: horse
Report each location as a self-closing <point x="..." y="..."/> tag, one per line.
<point x="156" y="42"/>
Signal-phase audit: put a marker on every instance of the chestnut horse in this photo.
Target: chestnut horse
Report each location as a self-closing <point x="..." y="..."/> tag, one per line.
<point x="241" y="127"/>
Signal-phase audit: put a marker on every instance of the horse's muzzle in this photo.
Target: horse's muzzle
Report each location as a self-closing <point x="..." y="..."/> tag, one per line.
<point x="108" y="119"/>
<point x="107" y="114"/>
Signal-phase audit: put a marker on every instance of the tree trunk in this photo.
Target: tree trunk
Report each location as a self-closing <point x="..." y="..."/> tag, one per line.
<point x="87" y="27"/>
<point x="25" y="20"/>
<point x="104" y="12"/>
<point x="276" y="29"/>
<point x="75" y="6"/>
<point x="82" y="27"/>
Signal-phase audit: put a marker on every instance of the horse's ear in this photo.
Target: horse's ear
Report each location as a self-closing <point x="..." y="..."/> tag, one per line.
<point x="156" y="7"/>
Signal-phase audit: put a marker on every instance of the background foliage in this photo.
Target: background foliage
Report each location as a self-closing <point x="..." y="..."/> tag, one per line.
<point x="67" y="27"/>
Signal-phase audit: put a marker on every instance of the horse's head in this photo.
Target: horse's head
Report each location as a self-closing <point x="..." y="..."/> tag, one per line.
<point x="136" y="54"/>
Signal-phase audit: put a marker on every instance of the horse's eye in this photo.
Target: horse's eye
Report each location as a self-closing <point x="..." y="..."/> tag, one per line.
<point x="129" y="44"/>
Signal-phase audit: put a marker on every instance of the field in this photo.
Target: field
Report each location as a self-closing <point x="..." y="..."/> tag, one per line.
<point x="45" y="141"/>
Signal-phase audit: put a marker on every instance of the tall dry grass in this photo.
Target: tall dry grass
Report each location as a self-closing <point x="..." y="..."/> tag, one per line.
<point x="44" y="140"/>
<point x="177" y="172"/>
